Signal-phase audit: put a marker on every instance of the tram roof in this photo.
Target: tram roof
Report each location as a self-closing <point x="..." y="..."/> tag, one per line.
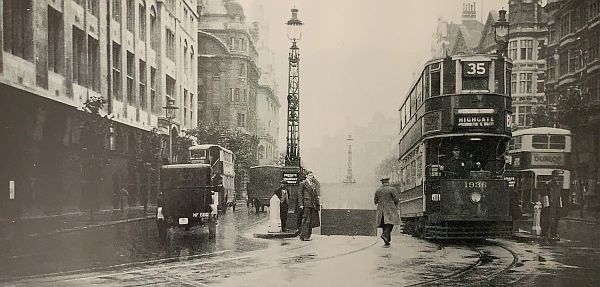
<point x="207" y="146"/>
<point x="541" y="131"/>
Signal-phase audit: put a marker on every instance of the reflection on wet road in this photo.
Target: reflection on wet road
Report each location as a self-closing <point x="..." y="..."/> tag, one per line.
<point x="122" y="245"/>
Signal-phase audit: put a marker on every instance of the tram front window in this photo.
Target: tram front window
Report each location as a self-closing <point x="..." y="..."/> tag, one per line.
<point x="469" y="157"/>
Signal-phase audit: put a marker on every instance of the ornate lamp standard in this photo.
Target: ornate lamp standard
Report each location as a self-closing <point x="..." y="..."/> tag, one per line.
<point x="170" y="109"/>
<point x="291" y="170"/>
<point x="293" y="128"/>
<point x="501" y="31"/>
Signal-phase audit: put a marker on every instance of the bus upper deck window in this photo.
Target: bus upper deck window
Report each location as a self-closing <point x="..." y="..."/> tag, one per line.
<point x="557" y="142"/>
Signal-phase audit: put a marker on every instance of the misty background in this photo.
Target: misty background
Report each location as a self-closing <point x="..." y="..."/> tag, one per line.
<point x="357" y="61"/>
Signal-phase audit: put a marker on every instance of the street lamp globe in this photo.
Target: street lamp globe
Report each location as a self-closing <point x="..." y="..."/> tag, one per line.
<point x="294" y="26"/>
<point x="170" y="109"/>
<point x="501" y="29"/>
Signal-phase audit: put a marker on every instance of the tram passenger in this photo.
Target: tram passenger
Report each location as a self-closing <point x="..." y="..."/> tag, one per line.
<point x="457" y="165"/>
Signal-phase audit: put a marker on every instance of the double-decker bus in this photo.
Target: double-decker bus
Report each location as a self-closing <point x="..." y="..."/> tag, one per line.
<point x="534" y="153"/>
<point x="459" y="103"/>
<point x="223" y="174"/>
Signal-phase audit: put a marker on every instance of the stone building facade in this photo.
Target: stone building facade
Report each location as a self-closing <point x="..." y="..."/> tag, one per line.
<point x="573" y="57"/>
<point x="228" y="73"/>
<point x="57" y="54"/>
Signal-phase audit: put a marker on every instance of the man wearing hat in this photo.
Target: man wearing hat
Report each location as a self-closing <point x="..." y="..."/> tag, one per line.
<point x="309" y="197"/>
<point x="283" y="196"/>
<point x="551" y="205"/>
<point x="456" y="165"/>
<point x="387" y="210"/>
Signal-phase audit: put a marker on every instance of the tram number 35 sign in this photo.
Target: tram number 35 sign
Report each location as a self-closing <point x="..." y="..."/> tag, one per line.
<point x="475" y="69"/>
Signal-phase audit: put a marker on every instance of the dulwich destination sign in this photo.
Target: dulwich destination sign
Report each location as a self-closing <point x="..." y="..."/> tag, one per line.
<point x="478" y="121"/>
<point x="547" y="159"/>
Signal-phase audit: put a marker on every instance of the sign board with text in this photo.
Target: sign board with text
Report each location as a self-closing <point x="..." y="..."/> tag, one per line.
<point x="290" y="177"/>
<point x="547" y="159"/>
<point x="475" y="121"/>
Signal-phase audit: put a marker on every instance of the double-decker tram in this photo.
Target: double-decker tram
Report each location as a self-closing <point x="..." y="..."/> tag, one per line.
<point x="221" y="162"/>
<point x="533" y="154"/>
<point x="455" y="124"/>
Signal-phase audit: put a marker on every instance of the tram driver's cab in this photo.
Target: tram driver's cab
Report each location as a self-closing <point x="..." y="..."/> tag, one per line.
<point x="468" y="157"/>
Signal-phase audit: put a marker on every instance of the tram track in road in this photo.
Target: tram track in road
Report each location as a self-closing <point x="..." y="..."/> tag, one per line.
<point x="490" y="264"/>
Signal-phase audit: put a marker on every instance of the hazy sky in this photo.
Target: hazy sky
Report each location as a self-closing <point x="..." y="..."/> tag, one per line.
<point x="356" y="57"/>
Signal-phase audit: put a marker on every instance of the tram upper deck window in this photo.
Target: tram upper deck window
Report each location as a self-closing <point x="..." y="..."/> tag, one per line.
<point x="557" y="142"/>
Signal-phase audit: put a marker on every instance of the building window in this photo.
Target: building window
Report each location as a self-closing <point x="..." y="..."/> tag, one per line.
<point x="552" y="39"/>
<point x="563" y="62"/>
<point x="241" y="120"/>
<point x="18" y="28"/>
<point x="154" y="36"/>
<point x="143" y="98"/>
<point x="116" y="79"/>
<point x="116" y="10"/>
<point x="231" y="94"/>
<point x="551" y="68"/>
<point x="185" y="109"/>
<point x="79" y="57"/>
<point x="130" y="15"/>
<point x="237" y="94"/>
<point x="512" y="49"/>
<point x="142" y="22"/>
<point x="191" y="109"/>
<point x="524" y="115"/>
<point x="153" y="100"/>
<point x="94" y="63"/>
<point x="170" y="41"/>
<point x="526" y="49"/>
<point x="243" y="70"/>
<point x="232" y="43"/>
<point x="55" y="41"/>
<point x="130" y="78"/>
<point x="565" y="25"/>
<point x="170" y="88"/>
<point x="525" y="82"/>
<point x="93" y="7"/>
<point x="573" y="59"/>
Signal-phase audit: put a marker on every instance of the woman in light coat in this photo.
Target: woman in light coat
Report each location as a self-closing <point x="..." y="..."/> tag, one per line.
<point x="387" y="211"/>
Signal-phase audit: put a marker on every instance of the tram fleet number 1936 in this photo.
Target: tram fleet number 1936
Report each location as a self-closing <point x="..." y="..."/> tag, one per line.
<point x="475" y="184"/>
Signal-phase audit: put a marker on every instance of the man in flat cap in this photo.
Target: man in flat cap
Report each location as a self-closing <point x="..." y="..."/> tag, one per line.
<point x="387" y="210"/>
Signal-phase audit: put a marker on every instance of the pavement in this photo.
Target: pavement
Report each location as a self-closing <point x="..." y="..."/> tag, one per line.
<point x="567" y="224"/>
<point x="68" y="222"/>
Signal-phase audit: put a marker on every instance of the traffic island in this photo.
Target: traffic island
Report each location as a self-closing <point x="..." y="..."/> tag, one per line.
<point x="275" y="235"/>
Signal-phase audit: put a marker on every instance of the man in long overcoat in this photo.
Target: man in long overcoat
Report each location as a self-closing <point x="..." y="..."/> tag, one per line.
<point x="309" y="206"/>
<point x="551" y="206"/>
<point x="387" y="211"/>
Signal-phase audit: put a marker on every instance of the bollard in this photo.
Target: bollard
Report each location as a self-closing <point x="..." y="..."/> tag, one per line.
<point x="537" y="215"/>
<point x="274" y="216"/>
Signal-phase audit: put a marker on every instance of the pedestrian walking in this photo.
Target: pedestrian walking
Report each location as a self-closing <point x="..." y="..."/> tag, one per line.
<point x="551" y="206"/>
<point x="387" y="211"/>
<point x="283" y="196"/>
<point x="309" y="206"/>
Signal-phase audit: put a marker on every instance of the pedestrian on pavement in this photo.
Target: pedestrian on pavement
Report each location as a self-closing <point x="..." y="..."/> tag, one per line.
<point x="551" y="206"/>
<point x="124" y="202"/>
<point x="283" y="196"/>
<point x="387" y="210"/>
<point x="309" y="206"/>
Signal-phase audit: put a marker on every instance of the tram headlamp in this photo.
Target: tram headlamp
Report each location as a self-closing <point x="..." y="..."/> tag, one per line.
<point x="475" y="197"/>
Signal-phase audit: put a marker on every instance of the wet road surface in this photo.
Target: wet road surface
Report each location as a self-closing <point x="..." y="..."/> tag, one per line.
<point x="121" y="245"/>
<point x="237" y="259"/>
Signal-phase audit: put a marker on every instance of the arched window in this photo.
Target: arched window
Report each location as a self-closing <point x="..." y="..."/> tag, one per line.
<point x="154" y="36"/>
<point x="192" y="61"/>
<point x="142" y="21"/>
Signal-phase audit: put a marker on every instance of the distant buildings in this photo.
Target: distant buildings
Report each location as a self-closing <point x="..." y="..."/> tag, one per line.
<point x="451" y="38"/>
